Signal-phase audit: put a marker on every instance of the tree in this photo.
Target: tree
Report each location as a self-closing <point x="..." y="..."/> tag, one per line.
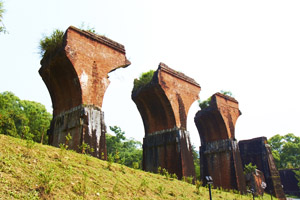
<point x="22" y="118"/>
<point x="2" y="27"/>
<point x="285" y="150"/>
<point x="196" y="158"/>
<point x="123" y="150"/>
<point x="297" y="173"/>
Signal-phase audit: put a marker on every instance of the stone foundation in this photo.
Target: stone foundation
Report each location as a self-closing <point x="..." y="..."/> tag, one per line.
<point x="219" y="152"/>
<point x="169" y="149"/>
<point x="85" y="124"/>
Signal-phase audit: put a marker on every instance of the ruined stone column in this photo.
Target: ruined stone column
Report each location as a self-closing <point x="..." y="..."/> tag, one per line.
<point x="163" y="104"/>
<point x="258" y="152"/>
<point x="219" y="151"/>
<point x="76" y="75"/>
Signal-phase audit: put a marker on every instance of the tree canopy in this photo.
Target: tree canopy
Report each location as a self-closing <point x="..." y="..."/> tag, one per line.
<point x="123" y="150"/>
<point x="23" y="118"/>
<point x="286" y="150"/>
<point x="2" y="27"/>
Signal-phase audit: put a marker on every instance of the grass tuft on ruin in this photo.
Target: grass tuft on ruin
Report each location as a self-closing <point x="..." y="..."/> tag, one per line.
<point x="50" y="44"/>
<point x="143" y="80"/>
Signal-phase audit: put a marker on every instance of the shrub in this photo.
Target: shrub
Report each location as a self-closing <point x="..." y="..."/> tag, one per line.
<point x="248" y="169"/>
<point x="204" y="104"/>
<point x="51" y="43"/>
<point x="143" y="80"/>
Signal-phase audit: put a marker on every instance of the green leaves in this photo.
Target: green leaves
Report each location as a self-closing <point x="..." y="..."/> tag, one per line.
<point x="120" y="149"/>
<point x="2" y="27"/>
<point x="204" y="104"/>
<point x="286" y="150"/>
<point x="22" y="118"/>
<point x="143" y="80"/>
<point x="249" y="169"/>
<point x="50" y="44"/>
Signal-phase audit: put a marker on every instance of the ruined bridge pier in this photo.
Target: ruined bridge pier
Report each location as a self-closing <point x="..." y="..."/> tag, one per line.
<point x="258" y="152"/>
<point x="76" y="75"/>
<point x="219" y="151"/>
<point x="163" y="104"/>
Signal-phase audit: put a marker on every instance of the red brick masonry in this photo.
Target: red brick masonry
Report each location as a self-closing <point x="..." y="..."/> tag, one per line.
<point x="76" y="76"/>
<point x="163" y="104"/>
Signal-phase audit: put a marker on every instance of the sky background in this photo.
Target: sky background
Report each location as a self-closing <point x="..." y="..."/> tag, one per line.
<point x="251" y="48"/>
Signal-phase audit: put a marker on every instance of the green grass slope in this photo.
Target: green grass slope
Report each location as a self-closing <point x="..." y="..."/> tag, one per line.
<point x="34" y="171"/>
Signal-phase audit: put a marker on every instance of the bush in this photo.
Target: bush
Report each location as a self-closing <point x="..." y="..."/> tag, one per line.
<point x="204" y="104"/>
<point x="50" y="44"/>
<point x="143" y="80"/>
<point x="249" y="169"/>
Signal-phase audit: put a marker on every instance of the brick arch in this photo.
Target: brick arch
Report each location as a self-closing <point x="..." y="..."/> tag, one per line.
<point x="156" y="110"/>
<point x="63" y="85"/>
<point x="219" y="152"/>
<point x="76" y="76"/>
<point x="211" y="127"/>
<point x="163" y="105"/>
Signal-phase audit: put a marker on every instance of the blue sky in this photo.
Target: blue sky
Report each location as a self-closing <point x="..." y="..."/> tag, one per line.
<point x="251" y="48"/>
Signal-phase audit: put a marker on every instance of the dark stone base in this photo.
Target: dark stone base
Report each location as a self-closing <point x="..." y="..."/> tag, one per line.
<point x="258" y="152"/>
<point x="85" y="123"/>
<point x="290" y="182"/>
<point x="221" y="160"/>
<point x="169" y="149"/>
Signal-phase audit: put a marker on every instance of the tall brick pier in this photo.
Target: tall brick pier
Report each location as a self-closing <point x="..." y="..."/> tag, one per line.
<point x="219" y="151"/>
<point x="76" y="75"/>
<point x="258" y="152"/>
<point x="163" y="104"/>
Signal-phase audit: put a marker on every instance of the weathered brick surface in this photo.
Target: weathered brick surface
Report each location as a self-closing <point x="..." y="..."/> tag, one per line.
<point x="76" y="76"/>
<point x="219" y="152"/>
<point x="289" y="182"/>
<point x="258" y="152"/>
<point x="163" y="104"/>
<point x="254" y="181"/>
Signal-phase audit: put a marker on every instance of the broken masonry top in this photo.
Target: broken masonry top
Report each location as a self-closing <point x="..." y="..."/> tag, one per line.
<point x="177" y="74"/>
<point x="76" y="72"/>
<point x="164" y="102"/>
<point x="102" y="39"/>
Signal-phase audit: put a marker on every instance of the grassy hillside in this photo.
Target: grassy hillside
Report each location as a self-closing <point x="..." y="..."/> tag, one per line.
<point x="34" y="171"/>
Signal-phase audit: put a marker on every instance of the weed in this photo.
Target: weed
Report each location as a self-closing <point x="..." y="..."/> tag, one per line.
<point x="81" y="186"/>
<point x="190" y="179"/>
<point x="117" y="157"/>
<point x="198" y="185"/>
<point x="159" y="170"/>
<point x="123" y="169"/>
<point x="161" y="190"/>
<point x="85" y="148"/>
<point x="115" y="188"/>
<point x="164" y="172"/>
<point x="136" y="165"/>
<point x="102" y="156"/>
<point x="144" y="185"/>
<point x="46" y="182"/>
<point x="110" y="160"/>
<point x="30" y="143"/>
<point x="174" y="176"/>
